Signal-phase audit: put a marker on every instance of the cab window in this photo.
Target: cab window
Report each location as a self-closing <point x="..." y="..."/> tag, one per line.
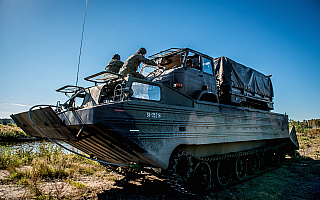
<point x="146" y="91"/>
<point x="207" y="66"/>
<point x="193" y="61"/>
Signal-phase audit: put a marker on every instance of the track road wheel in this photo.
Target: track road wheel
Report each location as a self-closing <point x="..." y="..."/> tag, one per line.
<point x="223" y="173"/>
<point x="254" y="161"/>
<point x="201" y="179"/>
<point x="265" y="161"/>
<point x="279" y="156"/>
<point x="272" y="157"/>
<point x="241" y="168"/>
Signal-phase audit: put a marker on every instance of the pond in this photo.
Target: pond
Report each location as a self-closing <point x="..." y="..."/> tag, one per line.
<point x="36" y="146"/>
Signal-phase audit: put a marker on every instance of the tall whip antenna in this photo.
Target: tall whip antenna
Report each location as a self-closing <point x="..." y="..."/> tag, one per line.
<point x="84" y="21"/>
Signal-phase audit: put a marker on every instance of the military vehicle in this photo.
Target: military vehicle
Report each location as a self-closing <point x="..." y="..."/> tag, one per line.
<point x="201" y="122"/>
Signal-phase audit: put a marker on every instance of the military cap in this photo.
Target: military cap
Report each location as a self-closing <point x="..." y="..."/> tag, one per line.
<point x="116" y="56"/>
<point x="142" y="51"/>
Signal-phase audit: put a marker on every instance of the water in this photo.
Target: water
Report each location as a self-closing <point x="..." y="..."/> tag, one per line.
<point x="35" y="146"/>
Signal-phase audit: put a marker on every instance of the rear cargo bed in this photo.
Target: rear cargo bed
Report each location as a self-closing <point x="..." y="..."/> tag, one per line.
<point x="242" y="85"/>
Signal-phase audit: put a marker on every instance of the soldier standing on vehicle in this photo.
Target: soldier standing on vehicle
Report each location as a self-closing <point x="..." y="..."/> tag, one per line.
<point x="115" y="64"/>
<point x="133" y="62"/>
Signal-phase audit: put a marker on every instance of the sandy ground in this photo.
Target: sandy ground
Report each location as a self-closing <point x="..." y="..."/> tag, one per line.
<point x="292" y="180"/>
<point x="58" y="189"/>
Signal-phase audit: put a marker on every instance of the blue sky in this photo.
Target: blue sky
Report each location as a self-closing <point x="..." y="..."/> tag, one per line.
<point x="40" y="40"/>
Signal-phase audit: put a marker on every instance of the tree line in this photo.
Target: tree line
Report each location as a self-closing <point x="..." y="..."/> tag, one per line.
<point x="305" y="126"/>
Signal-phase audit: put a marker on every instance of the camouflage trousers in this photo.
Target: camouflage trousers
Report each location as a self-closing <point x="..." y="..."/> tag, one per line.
<point x="134" y="74"/>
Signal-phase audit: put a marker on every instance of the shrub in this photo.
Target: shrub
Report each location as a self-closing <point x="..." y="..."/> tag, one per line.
<point x="11" y="130"/>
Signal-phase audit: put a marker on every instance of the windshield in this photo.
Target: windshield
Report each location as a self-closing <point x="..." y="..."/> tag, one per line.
<point x="168" y="62"/>
<point x="147" y="69"/>
<point x="146" y="91"/>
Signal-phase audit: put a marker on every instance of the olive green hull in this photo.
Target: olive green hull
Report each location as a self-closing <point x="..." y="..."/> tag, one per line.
<point x="147" y="132"/>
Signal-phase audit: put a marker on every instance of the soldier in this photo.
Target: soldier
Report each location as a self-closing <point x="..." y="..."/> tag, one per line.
<point x="132" y="63"/>
<point x="115" y="64"/>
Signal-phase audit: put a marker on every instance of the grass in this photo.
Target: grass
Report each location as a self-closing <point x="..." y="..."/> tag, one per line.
<point x="46" y="162"/>
<point x="309" y="139"/>
<point x="310" y="144"/>
<point x="11" y="131"/>
<point x="77" y="184"/>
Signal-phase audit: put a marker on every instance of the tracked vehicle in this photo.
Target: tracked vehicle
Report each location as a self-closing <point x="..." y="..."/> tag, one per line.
<point x="204" y="122"/>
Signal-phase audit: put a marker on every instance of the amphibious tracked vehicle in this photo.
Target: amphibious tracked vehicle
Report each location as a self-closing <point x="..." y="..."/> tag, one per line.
<point x="204" y="122"/>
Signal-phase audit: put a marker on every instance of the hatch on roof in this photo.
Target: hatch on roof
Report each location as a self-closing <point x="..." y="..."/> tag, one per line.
<point x="103" y="77"/>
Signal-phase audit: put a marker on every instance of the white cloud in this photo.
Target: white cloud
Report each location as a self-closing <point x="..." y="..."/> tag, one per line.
<point x="17" y="104"/>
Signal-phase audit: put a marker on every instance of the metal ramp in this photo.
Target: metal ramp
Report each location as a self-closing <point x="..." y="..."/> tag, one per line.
<point x="47" y="120"/>
<point x="293" y="138"/>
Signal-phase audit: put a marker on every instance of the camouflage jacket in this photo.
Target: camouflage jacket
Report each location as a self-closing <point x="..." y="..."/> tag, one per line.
<point x="133" y="62"/>
<point x="114" y="65"/>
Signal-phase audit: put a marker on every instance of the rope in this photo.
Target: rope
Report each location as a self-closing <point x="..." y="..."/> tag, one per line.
<point x="84" y="21"/>
<point x="100" y="161"/>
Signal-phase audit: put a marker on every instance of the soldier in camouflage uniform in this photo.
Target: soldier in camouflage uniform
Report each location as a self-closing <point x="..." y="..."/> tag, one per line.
<point x="133" y="62"/>
<point x="115" y="64"/>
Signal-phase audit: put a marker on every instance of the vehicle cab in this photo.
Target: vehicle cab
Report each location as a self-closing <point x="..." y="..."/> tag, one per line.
<point x="186" y="70"/>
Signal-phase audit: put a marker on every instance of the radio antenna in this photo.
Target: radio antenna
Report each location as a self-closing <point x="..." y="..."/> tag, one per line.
<point x="84" y="22"/>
